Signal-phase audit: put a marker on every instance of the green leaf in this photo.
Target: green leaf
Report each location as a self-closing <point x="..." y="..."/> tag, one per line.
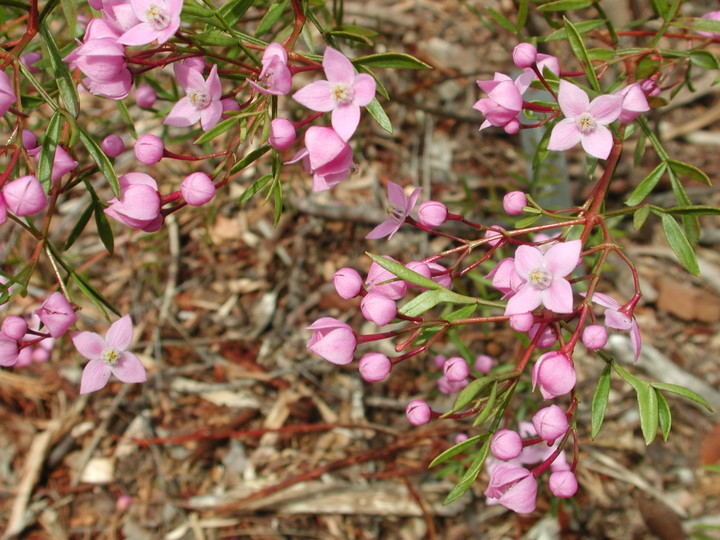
<point x="684" y="392"/>
<point x="640" y="216"/>
<point x="527" y="221"/>
<point x="649" y="414"/>
<point x="421" y="303"/>
<point x="248" y="159"/>
<point x="403" y="272"/>
<point x="578" y="47"/>
<point x="469" y="393"/>
<point x="254" y="188"/>
<point x="351" y="36"/>
<point x="379" y="115"/>
<point x="705" y="25"/>
<point x="691" y="171"/>
<point x="661" y="7"/>
<point x="233" y="11"/>
<point x="647" y="185"/>
<point x="565" y="5"/>
<point x="95" y="297"/>
<point x="694" y="210"/>
<point x="639" y="149"/>
<point x="664" y="415"/>
<point x="458" y="448"/>
<point x="271" y="17"/>
<point x="601" y="54"/>
<point x="103" y="162"/>
<point x="69" y="8"/>
<point x="488" y="407"/>
<point x="470" y="475"/>
<point x="79" y="226"/>
<point x="276" y="190"/>
<point x="501" y="20"/>
<point x="219" y="129"/>
<point x="47" y="153"/>
<point x="462" y="313"/>
<point x="679" y="244"/>
<point x="704" y="59"/>
<point x="63" y="78"/>
<point x="600" y="402"/>
<point x="582" y="28"/>
<point x="104" y="229"/>
<point x="125" y="114"/>
<point x="392" y="60"/>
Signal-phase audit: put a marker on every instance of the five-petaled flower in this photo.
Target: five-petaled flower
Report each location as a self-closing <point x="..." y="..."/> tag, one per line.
<point x="585" y="121"/>
<point x="399" y="208"/>
<point x="343" y="93"/>
<point x="108" y="356"/>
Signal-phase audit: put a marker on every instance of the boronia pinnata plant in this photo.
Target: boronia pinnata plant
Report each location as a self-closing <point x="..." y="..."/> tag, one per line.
<point x="216" y="76"/>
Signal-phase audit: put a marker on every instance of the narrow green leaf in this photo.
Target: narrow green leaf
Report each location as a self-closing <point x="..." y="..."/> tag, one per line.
<point x="248" y="159"/>
<point x="271" y="17"/>
<point x="104" y="229"/>
<point x="601" y="54"/>
<point x="578" y="47"/>
<point x="705" y="25"/>
<point x="233" y="11"/>
<point x="640" y="216"/>
<point x="501" y="20"/>
<point x="664" y="415"/>
<point x="487" y="408"/>
<point x="276" y="190"/>
<point x="600" y="402"/>
<point x="679" y="244"/>
<point x="95" y="297"/>
<point x="694" y="210"/>
<point x="691" y="171"/>
<point x="218" y="129"/>
<point x="649" y="415"/>
<point x="565" y="5"/>
<point x="47" y="153"/>
<point x="527" y="221"/>
<point x="647" y="185"/>
<point x="660" y="7"/>
<point x="684" y="392"/>
<point x="353" y="36"/>
<point x="392" y="60"/>
<point x="469" y="393"/>
<point x="582" y="27"/>
<point x="705" y="59"/>
<point x="470" y="475"/>
<point x="63" y="79"/>
<point x="522" y="15"/>
<point x="125" y="114"/>
<point x="378" y="113"/>
<point x="254" y="188"/>
<point x="462" y="313"/>
<point x="640" y="146"/>
<point x="458" y="448"/>
<point x="420" y="304"/>
<point x="103" y="162"/>
<point x="69" y="8"/>
<point x="79" y="225"/>
<point x="403" y="272"/>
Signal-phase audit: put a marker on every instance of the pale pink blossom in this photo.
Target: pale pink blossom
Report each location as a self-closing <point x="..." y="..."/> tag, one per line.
<point x="7" y="94"/>
<point x="514" y="202"/>
<point x="343" y="93"/>
<point x="158" y="20"/>
<point x="202" y="99"/>
<point x="275" y="77"/>
<point x="432" y="213"/>
<point x="139" y="203"/>
<point x="504" y="103"/>
<point x="550" y="423"/>
<point x="512" y="486"/>
<point x="8" y="350"/>
<point x="585" y="121"/>
<point x="619" y="320"/>
<point x="399" y="208"/>
<point x="524" y="55"/>
<point x="326" y="156"/>
<point x="634" y="103"/>
<point x="334" y="340"/>
<point x="378" y="308"/>
<point x="108" y="356"/>
<point x="456" y="369"/>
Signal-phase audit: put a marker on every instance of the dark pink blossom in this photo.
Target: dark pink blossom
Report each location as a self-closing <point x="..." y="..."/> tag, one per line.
<point x="334" y="340"/>
<point x="24" y="196"/>
<point x="554" y="373"/>
<point x="512" y="486"/>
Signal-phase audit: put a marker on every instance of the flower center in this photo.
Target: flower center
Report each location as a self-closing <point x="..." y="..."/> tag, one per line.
<point x="342" y="93"/>
<point x="158" y="17"/>
<point x="199" y="98"/>
<point x="110" y="356"/>
<point x="540" y="278"/>
<point x="585" y="123"/>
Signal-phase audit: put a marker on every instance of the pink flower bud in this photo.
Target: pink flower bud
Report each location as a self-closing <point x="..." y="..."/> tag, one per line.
<point x="514" y="202"/>
<point x="456" y="369"/>
<point x="461" y="438"/>
<point x="550" y="423"/>
<point x="14" y="327"/>
<point x="522" y="322"/>
<point x="378" y="308"/>
<point x="374" y="367"/>
<point x="149" y="149"/>
<point x="197" y="189"/>
<point x="506" y="444"/>
<point x="451" y="387"/>
<point x="594" y="336"/>
<point x="439" y="360"/>
<point x="554" y="373"/>
<point x="512" y="486"/>
<point x="524" y="55"/>
<point x="40" y="355"/>
<point x="62" y="163"/>
<point x="24" y="196"/>
<point x="282" y="133"/>
<point x="139" y="203"/>
<point x="484" y="363"/>
<point x="377" y="276"/>
<point x="56" y="314"/>
<point x="563" y="484"/>
<point x="334" y="340"/>
<point x="8" y="350"/>
<point x="348" y="283"/>
<point x="493" y="233"/>
<point x="29" y="139"/>
<point x="145" y="96"/>
<point x="113" y="145"/>
<point x="547" y="339"/>
<point x="432" y="213"/>
<point x="418" y="412"/>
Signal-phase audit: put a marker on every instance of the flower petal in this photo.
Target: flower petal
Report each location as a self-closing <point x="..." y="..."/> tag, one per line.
<point x="345" y="120"/>
<point x="88" y="344"/>
<point x="564" y="135"/>
<point x="316" y="96"/>
<point x="129" y="369"/>
<point x="364" y="88"/>
<point x="140" y="34"/>
<point x="562" y="258"/>
<point x="572" y="99"/>
<point x="598" y="142"/>
<point x="210" y="115"/>
<point x="606" y="108"/>
<point x="183" y="114"/>
<point x="337" y="67"/>
<point x="558" y="297"/>
<point x="95" y="375"/>
<point x="387" y="227"/>
<point x="636" y="340"/>
<point x="527" y="259"/>
<point x="119" y="335"/>
<point x="525" y="300"/>
<point x="605" y="301"/>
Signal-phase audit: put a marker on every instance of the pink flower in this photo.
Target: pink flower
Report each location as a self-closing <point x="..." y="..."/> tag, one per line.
<point x="378" y="308"/>
<point x="506" y="444"/>
<point x="112" y="145"/>
<point x="563" y="484"/>
<point x="484" y="363"/>
<point x="197" y="189"/>
<point x="594" y="336"/>
<point x="24" y="196"/>
<point x="343" y="93"/>
<point x="512" y="486"/>
<point x="524" y="55"/>
<point x="504" y="103"/>
<point x="202" y="100"/>
<point x="614" y="318"/>
<point x="385" y="282"/>
<point x="149" y="149"/>
<point x="62" y="162"/>
<point x="334" y="340"/>
<point x="374" y="367"/>
<point x="399" y="208"/>
<point x="282" y="133"/>
<point x="7" y="95"/>
<point x="585" y="121"/>
<point x="326" y="156"/>
<point x="102" y="60"/>
<point x="14" y="327"/>
<point x="418" y="412"/>
<point x="108" y="356"/>
<point x="554" y="373"/>
<point x="56" y="314"/>
<point x="456" y="369"/>
<point x="634" y="103"/>
<point x="514" y="202"/>
<point x="432" y="213"/>
<point x="275" y="76"/>
<point x="139" y="204"/>
<point x="447" y="386"/>
<point x="544" y="274"/>
<point x="145" y="96"/>
<point x="159" y="20"/>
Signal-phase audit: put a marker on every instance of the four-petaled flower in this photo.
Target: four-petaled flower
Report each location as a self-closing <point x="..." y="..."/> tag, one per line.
<point x="343" y="93"/>
<point x="399" y="208"/>
<point x="617" y="319"/>
<point x="512" y="486"/>
<point x="108" y="356"/>
<point x="202" y="99"/>
<point x="159" y="20"/>
<point x="585" y="121"/>
<point x="544" y="274"/>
